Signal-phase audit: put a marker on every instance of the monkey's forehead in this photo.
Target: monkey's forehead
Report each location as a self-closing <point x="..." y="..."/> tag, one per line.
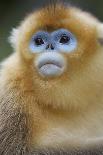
<point x="59" y="16"/>
<point x="52" y="17"/>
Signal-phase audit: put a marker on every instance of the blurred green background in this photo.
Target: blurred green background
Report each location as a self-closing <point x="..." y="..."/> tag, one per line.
<point x="13" y="11"/>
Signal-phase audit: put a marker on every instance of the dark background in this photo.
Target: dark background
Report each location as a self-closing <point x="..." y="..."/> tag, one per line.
<point x="13" y="11"/>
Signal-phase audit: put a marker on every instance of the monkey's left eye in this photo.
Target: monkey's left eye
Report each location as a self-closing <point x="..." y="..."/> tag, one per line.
<point x="64" y="39"/>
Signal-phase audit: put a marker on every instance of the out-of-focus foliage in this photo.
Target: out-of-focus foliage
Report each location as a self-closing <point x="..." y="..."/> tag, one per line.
<point x="13" y="11"/>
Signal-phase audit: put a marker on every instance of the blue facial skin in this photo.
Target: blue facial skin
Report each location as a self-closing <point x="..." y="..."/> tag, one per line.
<point x="60" y="40"/>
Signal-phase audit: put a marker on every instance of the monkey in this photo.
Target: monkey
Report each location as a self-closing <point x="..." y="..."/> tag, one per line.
<point x="51" y="86"/>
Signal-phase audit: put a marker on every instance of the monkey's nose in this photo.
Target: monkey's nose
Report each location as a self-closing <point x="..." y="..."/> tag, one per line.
<point x="50" y="46"/>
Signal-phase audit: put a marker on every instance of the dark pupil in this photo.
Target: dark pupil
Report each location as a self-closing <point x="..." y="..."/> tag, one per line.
<point x="64" y="39"/>
<point x="39" y="41"/>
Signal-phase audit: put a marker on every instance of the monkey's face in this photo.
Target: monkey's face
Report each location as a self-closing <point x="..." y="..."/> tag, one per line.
<point x="50" y="45"/>
<point x="58" y="45"/>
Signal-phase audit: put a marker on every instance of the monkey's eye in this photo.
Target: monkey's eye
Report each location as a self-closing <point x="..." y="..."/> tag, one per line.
<point x="64" y="39"/>
<point x="38" y="41"/>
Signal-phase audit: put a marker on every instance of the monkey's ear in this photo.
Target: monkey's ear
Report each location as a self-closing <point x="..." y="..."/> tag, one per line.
<point x="100" y="33"/>
<point x="13" y="39"/>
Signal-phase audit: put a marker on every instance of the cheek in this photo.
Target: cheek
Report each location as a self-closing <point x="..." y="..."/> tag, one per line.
<point x="75" y="62"/>
<point x="25" y="52"/>
<point x="24" y="44"/>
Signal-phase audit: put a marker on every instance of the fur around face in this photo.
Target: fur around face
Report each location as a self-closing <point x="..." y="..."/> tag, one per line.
<point x="64" y="112"/>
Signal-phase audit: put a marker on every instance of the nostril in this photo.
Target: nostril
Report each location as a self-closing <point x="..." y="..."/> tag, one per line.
<point x="47" y="46"/>
<point x="50" y="46"/>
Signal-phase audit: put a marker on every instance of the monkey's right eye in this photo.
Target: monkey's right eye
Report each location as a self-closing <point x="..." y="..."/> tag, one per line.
<point x="38" y="41"/>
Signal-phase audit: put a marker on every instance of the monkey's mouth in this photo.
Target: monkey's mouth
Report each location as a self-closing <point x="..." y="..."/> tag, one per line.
<point x="50" y="64"/>
<point x="50" y="69"/>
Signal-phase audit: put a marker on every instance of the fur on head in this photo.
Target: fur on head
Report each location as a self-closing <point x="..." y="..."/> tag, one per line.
<point x="82" y="66"/>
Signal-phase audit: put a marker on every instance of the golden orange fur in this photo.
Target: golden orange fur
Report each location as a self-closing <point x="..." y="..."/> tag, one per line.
<point x="66" y="111"/>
